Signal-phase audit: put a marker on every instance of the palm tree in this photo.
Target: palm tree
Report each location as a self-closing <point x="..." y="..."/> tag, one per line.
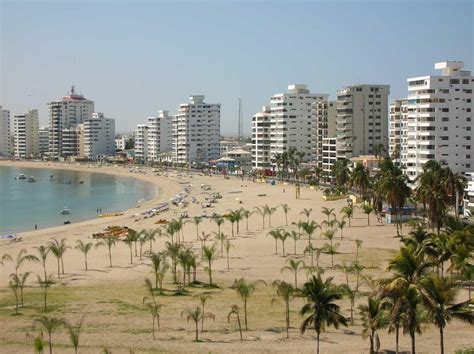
<point x="360" y="179"/>
<point x="109" y="243"/>
<point x="438" y="296"/>
<point x="232" y="218"/>
<point x="245" y="289"/>
<point x="14" y="285"/>
<point x="84" y="248"/>
<point x="294" y="266"/>
<point x="142" y="239"/>
<point x="295" y="236"/>
<point x="74" y="332"/>
<point x="328" y="212"/>
<point x="159" y="267"/>
<point x="367" y="208"/>
<point x="358" y="245"/>
<point x="341" y="224"/>
<point x="38" y="342"/>
<point x="42" y="257"/>
<point x="203" y="238"/>
<point x="172" y="250"/>
<point x="219" y="220"/>
<point x="285" y="209"/>
<point x="58" y="249"/>
<point x="373" y="318"/>
<point x="348" y="212"/>
<point x="412" y="317"/>
<point x="352" y="295"/>
<point x="132" y="237"/>
<point x="210" y="256"/>
<point x="269" y="211"/>
<point x="150" y="236"/>
<point x="276" y="234"/>
<point x="202" y="299"/>
<point x="196" y="315"/>
<point x="228" y="246"/>
<point x="238" y="216"/>
<point x="236" y="312"/>
<point x="21" y="258"/>
<point x="283" y="236"/>
<point x="153" y="306"/>
<point x="221" y="237"/>
<point x="307" y="213"/>
<point x="196" y="221"/>
<point x="341" y="173"/>
<point x="45" y="285"/>
<point x="320" y="307"/>
<point x="17" y="284"/>
<point x="262" y="213"/>
<point x="287" y="293"/>
<point x="330" y="248"/>
<point x="311" y="249"/>
<point x="309" y="228"/>
<point x="50" y="324"/>
<point x="357" y="269"/>
<point x="246" y="214"/>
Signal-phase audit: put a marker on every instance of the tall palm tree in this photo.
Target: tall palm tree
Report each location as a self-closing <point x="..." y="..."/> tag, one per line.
<point x="131" y="238"/>
<point x="341" y="224"/>
<point x="49" y="324"/>
<point x="246" y="214"/>
<point x="330" y="248"/>
<point x="159" y="267"/>
<point x="210" y="256"/>
<point x="328" y="212"/>
<point x="351" y="295"/>
<point x="269" y="211"/>
<point x="236" y="312"/>
<point x="245" y="289"/>
<point x="150" y="236"/>
<point x="367" y="209"/>
<point x="109" y="243"/>
<point x="58" y="248"/>
<point x="42" y="257"/>
<point x="307" y="213"/>
<point x="84" y="248"/>
<point x="196" y="315"/>
<point x="232" y="218"/>
<point x="309" y="228"/>
<point x="152" y="305"/>
<point x="172" y="250"/>
<point x="360" y="179"/>
<point x="219" y="220"/>
<point x="74" y="332"/>
<point x="348" y="213"/>
<point x="285" y="209"/>
<point x="295" y="236"/>
<point x="438" y="296"/>
<point x="373" y="318"/>
<point x="341" y="173"/>
<point x="320" y="307"/>
<point x="294" y="266"/>
<point x="263" y="213"/>
<point x="276" y="234"/>
<point x="283" y="237"/>
<point x="196" y="221"/>
<point x="221" y="237"/>
<point x="412" y="316"/>
<point x="287" y="293"/>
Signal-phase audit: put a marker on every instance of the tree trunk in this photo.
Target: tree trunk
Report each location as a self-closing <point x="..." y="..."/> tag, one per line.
<point x="317" y="343"/>
<point x="397" y="336"/>
<point x="50" y="344"/>
<point x="62" y="265"/>
<point x="59" y="270"/>
<point x="245" y="314"/>
<point x="85" y="261"/>
<point x="413" y="343"/>
<point x="153" y="328"/>
<point x="287" y="320"/>
<point x="441" y="340"/>
<point x="110" y="258"/>
<point x="197" y="331"/>
<point x="371" y="338"/>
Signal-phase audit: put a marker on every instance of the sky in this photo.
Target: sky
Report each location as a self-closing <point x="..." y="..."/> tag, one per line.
<point x="134" y="58"/>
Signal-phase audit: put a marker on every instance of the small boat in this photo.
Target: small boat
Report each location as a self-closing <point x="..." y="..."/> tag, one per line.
<point x="81" y="182"/>
<point x="67" y="222"/>
<point x="31" y="179"/>
<point x="21" y="176"/>
<point x="65" y="211"/>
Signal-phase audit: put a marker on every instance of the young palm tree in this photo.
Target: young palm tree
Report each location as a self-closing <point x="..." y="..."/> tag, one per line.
<point x="49" y="324"/>
<point x="310" y="249"/>
<point x="330" y="248"/>
<point x="341" y="224"/>
<point x="320" y="307"/>
<point x="84" y="248"/>
<point x="351" y="295"/>
<point x="172" y="250"/>
<point x="412" y="316"/>
<point x="238" y="215"/>
<point x="159" y="267"/>
<point x="74" y="332"/>
<point x="348" y="212"/>
<point x="19" y="282"/>
<point x="357" y="269"/>
<point x="196" y="315"/>
<point x="58" y="248"/>
<point x="221" y="237"/>
<point x="153" y="306"/>
<point x="276" y="234"/>
<point x="283" y="237"/>
<point x="346" y="269"/>
<point x="287" y="293"/>
<point x="367" y="208"/>
<point x="38" y="342"/>
<point x="309" y="228"/>
<point x="131" y="238"/>
<point x="202" y="299"/>
<point x="196" y="221"/>
<point x="295" y="236"/>
<point x="236" y="312"/>
<point x="150" y="236"/>
<point x="46" y="285"/>
<point x="438" y="296"/>
<point x="228" y="246"/>
<point x="358" y="245"/>
<point x="373" y="318"/>
<point x="294" y="266"/>
<point x="307" y="213"/>
<point x="263" y="214"/>
<point x="285" y="209"/>
<point x="210" y="256"/>
<point x="21" y="258"/>
<point x="219" y="220"/>
<point x="246" y="214"/>
<point x="109" y="243"/>
<point x="328" y="212"/>
<point x="269" y="211"/>
<point x="245" y="289"/>
<point x="42" y="257"/>
<point x="14" y="286"/>
<point x="232" y="218"/>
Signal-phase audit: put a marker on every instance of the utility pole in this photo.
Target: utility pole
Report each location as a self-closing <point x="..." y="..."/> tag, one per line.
<point x="240" y="127"/>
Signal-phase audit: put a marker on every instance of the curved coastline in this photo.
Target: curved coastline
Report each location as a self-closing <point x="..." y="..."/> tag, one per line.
<point x="163" y="189"/>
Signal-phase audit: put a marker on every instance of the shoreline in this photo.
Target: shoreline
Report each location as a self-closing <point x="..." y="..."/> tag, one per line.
<point x="160" y="192"/>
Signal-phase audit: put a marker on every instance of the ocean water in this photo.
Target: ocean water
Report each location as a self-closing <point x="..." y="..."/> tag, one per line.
<point x="24" y="204"/>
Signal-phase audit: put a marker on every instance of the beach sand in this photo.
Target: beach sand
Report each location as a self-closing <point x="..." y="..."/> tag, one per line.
<point x="112" y="299"/>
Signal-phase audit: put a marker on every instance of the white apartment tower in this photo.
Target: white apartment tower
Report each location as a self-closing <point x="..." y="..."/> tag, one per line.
<point x="324" y="127"/>
<point x="159" y="135"/>
<point x="261" y="121"/>
<point x="26" y="134"/>
<point x="398" y="130"/>
<point x="99" y="136"/>
<point x="141" y="142"/>
<point x="66" y="114"/>
<point x="43" y="140"/>
<point x="362" y="120"/>
<point x="5" y="133"/>
<point x="196" y="131"/>
<point x="440" y="125"/>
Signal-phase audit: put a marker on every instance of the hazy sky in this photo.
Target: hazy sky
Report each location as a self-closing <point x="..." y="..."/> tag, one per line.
<point x="135" y="58"/>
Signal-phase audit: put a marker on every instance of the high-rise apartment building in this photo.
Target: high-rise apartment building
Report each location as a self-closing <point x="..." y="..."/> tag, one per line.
<point x="141" y="142"/>
<point x="43" y="140"/>
<point x="5" y="133"/>
<point x="65" y="114"/>
<point x="398" y="130"/>
<point x="440" y="119"/>
<point x="159" y="135"/>
<point x="26" y="134"/>
<point x="324" y="127"/>
<point x="196" y="131"/>
<point x="99" y="136"/>
<point x="362" y="120"/>
<point x="261" y="121"/>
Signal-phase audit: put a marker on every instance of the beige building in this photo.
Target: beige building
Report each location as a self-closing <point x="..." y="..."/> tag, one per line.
<point x="324" y="127"/>
<point x="26" y="128"/>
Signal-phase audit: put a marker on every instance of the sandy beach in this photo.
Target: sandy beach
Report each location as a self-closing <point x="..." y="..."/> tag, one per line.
<point x="111" y="299"/>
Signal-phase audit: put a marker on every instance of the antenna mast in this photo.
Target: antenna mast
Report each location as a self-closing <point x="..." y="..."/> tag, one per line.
<point x="240" y="128"/>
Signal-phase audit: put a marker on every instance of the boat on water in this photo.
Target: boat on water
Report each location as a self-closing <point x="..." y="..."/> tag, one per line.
<point x="31" y="179"/>
<point x="21" y="176"/>
<point x="65" y="211"/>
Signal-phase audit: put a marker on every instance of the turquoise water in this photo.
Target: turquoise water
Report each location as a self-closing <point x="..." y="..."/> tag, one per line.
<point x="24" y="204"/>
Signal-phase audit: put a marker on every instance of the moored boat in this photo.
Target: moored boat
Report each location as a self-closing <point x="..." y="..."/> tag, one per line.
<point x="65" y="211"/>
